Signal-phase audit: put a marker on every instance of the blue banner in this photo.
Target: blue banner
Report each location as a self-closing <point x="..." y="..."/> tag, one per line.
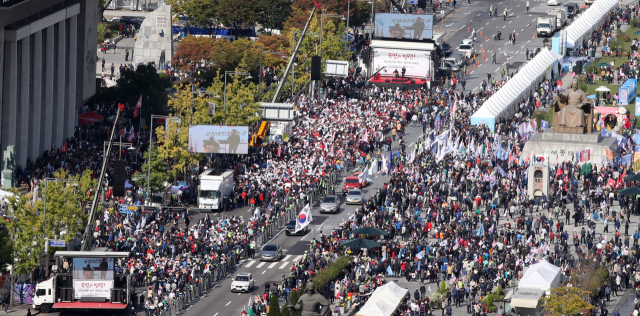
<point x="626" y="159"/>
<point x="606" y="133"/>
<point x="636" y="148"/>
<point x="544" y="125"/>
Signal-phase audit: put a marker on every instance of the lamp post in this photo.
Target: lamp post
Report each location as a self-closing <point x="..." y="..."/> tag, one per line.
<point x="151" y="147"/>
<point x="224" y="98"/>
<point x="260" y="69"/>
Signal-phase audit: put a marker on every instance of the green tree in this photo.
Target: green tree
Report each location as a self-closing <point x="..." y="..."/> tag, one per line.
<point x="295" y="296"/>
<point x="241" y="108"/>
<point x="274" y="306"/>
<point x="102" y="5"/>
<point x="274" y="13"/>
<point x="158" y="173"/>
<point x="567" y="301"/>
<point x="25" y="231"/>
<point x="6" y="251"/>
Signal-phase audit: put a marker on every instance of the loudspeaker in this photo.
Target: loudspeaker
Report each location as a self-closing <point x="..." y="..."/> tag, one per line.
<point x="119" y="177"/>
<point x="66" y="295"/>
<point x="316" y="68"/>
<point x="365" y="57"/>
<point x="120" y="281"/>
<point x="578" y="68"/>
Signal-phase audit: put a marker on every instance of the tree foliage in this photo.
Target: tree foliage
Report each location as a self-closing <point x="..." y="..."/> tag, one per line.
<point x="295" y="296"/>
<point x="567" y="301"/>
<point x="274" y="306"/>
<point x="6" y="251"/>
<point x="158" y="173"/>
<point x="274" y="13"/>
<point x="589" y="276"/>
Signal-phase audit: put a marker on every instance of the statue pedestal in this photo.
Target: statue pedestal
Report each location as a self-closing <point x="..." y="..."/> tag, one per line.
<point x="561" y="147"/>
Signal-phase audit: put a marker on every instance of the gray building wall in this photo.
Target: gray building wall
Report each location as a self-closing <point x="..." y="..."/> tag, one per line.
<point x="47" y="72"/>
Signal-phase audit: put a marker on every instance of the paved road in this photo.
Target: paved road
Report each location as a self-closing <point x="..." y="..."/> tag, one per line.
<point x="475" y="16"/>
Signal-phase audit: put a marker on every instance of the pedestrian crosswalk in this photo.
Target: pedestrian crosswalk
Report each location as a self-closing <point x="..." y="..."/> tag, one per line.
<point x="285" y="263"/>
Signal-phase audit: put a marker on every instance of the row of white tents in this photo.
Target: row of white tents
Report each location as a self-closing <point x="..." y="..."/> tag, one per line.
<point x="503" y="102"/>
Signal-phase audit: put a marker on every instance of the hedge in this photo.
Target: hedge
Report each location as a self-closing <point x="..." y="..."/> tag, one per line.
<point x="331" y="272"/>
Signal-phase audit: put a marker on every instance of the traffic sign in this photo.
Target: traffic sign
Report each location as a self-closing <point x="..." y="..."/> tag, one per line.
<point x="57" y="243"/>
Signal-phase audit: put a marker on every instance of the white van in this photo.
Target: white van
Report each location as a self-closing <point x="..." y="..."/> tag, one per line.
<point x="466" y="47"/>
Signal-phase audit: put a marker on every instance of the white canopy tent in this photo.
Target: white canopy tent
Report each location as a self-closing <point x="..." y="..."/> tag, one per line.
<point x="591" y="19"/>
<point x="383" y="301"/>
<point x="541" y="276"/>
<point x="502" y="102"/>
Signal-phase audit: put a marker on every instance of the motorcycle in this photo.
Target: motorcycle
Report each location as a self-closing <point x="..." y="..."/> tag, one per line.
<point x="497" y="36"/>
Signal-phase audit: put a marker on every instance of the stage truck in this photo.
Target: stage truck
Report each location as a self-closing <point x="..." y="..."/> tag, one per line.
<point x="89" y="283"/>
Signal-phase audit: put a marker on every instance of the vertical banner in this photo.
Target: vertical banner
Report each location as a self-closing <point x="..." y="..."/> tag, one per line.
<point x="585" y="155"/>
<point x="609" y="154"/>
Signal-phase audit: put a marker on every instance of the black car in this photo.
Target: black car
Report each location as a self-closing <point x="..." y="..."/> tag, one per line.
<point x="291" y="229"/>
<point x="446" y="49"/>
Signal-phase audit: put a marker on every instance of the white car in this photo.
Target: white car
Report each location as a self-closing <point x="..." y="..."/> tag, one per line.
<point x="553" y="2"/>
<point x="466" y="48"/>
<point x="243" y="282"/>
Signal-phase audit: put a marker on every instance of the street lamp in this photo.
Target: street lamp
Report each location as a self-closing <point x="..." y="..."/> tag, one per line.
<point x="224" y="98"/>
<point x="260" y="69"/>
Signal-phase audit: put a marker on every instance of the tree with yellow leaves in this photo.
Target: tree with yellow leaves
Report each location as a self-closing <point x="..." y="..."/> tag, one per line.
<point x="567" y="301"/>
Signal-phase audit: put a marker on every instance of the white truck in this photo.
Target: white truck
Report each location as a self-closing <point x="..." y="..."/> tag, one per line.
<point x="213" y="188"/>
<point x="547" y="25"/>
<point x="89" y="283"/>
<point x="561" y="17"/>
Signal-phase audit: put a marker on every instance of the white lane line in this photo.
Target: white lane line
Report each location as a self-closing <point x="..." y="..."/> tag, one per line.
<point x="250" y="264"/>
<point x="497" y="69"/>
<point x="272" y="265"/>
<point x="297" y="258"/>
<point x="260" y="265"/>
<point x="510" y="22"/>
<point x="474" y="89"/>
<point x="517" y="6"/>
<point x="487" y="23"/>
<point x="521" y="30"/>
<point x="479" y="14"/>
<point x="263" y="272"/>
<point x="283" y="265"/>
<point x="522" y="46"/>
<point x="286" y="258"/>
<point x="528" y="41"/>
<point x="471" y="71"/>
<point x="229" y="302"/>
<point x="216" y="314"/>
<point x="249" y="210"/>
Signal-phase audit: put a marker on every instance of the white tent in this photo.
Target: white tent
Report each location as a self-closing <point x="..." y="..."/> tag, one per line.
<point x="383" y="301"/>
<point x="588" y="21"/>
<point x="502" y="102"/>
<point x="541" y="276"/>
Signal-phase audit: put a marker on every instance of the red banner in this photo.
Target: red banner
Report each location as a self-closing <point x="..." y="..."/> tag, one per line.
<point x="611" y="183"/>
<point x="585" y="155"/>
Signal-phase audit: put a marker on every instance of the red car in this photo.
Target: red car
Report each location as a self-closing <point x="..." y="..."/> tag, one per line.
<point x="351" y="182"/>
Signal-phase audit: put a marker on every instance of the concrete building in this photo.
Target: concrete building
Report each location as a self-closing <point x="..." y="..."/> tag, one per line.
<point x="47" y="71"/>
<point x="153" y="43"/>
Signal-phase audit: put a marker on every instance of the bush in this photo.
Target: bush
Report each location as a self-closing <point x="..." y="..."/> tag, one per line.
<point x="593" y="67"/>
<point x="492" y="308"/>
<point x="626" y="38"/>
<point x="497" y="290"/>
<point x="295" y="295"/>
<point x="331" y="272"/>
<point x="634" y="21"/>
<point x="442" y="289"/>
<point x="435" y="300"/>
<point x="274" y="306"/>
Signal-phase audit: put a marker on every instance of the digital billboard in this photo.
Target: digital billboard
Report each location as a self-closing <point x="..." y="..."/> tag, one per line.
<point x="211" y="139"/>
<point x="409" y="26"/>
<point x="92" y="277"/>
<point x="416" y="63"/>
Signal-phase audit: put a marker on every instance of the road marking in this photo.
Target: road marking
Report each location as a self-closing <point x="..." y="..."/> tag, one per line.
<point x="286" y="258"/>
<point x="474" y="89"/>
<point x="510" y="22"/>
<point x="250" y="264"/>
<point x="522" y="46"/>
<point x="263" y="272"/>
<point x="249" y="210"/>
<point x="229" y="302"/>
<point x="238" y="294"/>
<point x="471" y="71"/>
<point x="487" y="23"/>
<point x="283" y="265"/>
<point x="260" y="265"/>
<point x="297" y="258"/>
<point x="497" y="69"/>
<point x="517" y="6"/>
<point x="272" y="265"/>
<point x="478" y="14"/>
<point x="216" y="314"/>
<point x="521" y="30"/>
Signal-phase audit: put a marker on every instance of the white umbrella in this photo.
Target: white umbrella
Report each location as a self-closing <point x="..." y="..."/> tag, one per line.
<point x="603" y="89"/>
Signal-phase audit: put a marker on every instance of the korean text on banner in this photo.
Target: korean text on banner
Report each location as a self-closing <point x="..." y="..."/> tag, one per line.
<point x="609" y="154"/>
<point x="84" y="288"/>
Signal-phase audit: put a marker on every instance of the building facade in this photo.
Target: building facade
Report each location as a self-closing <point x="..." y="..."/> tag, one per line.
<point x="47" y="71"/>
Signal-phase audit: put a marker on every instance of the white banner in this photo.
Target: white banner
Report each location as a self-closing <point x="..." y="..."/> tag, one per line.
<point x="83" y="288"/>
<point x="417" y="63"/>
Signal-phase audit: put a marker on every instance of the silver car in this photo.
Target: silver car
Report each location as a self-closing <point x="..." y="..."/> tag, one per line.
<point x="271" y="253"/>
<point x="354" y="197"/>
<point x="330" y="204"/>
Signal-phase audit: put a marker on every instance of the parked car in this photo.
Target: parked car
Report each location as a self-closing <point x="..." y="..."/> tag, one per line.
<point x="354" y="197"/>
<point x="243" y="282"/>
<point x="330" y="204"/>
<point x="271" y="253"/>
<point x="291" y="229"/>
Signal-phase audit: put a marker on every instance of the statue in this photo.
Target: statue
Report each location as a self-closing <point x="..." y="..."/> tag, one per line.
<point x="309" y="301"/>
<point x="572" y="111"/>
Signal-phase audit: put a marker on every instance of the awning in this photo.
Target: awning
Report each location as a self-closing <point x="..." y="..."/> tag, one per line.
<point x="524" y="302"/>
<point x="589" y="20"/>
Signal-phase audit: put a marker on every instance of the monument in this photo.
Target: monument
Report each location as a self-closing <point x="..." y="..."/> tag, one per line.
<point x="153" y="42"/>
<point x="310" y="302"/>
<point x="573" y="132"/>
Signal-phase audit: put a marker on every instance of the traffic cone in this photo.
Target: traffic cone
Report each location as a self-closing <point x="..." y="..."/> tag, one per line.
<point x="478" y="63"/>
<point x="468" y="29"/>
<point x="534" y="35"/>
<point x="480" y="32"/>
<point x="467" y="72"/>
<point x="486" y="38"/>
<point x="474" y="66"/>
